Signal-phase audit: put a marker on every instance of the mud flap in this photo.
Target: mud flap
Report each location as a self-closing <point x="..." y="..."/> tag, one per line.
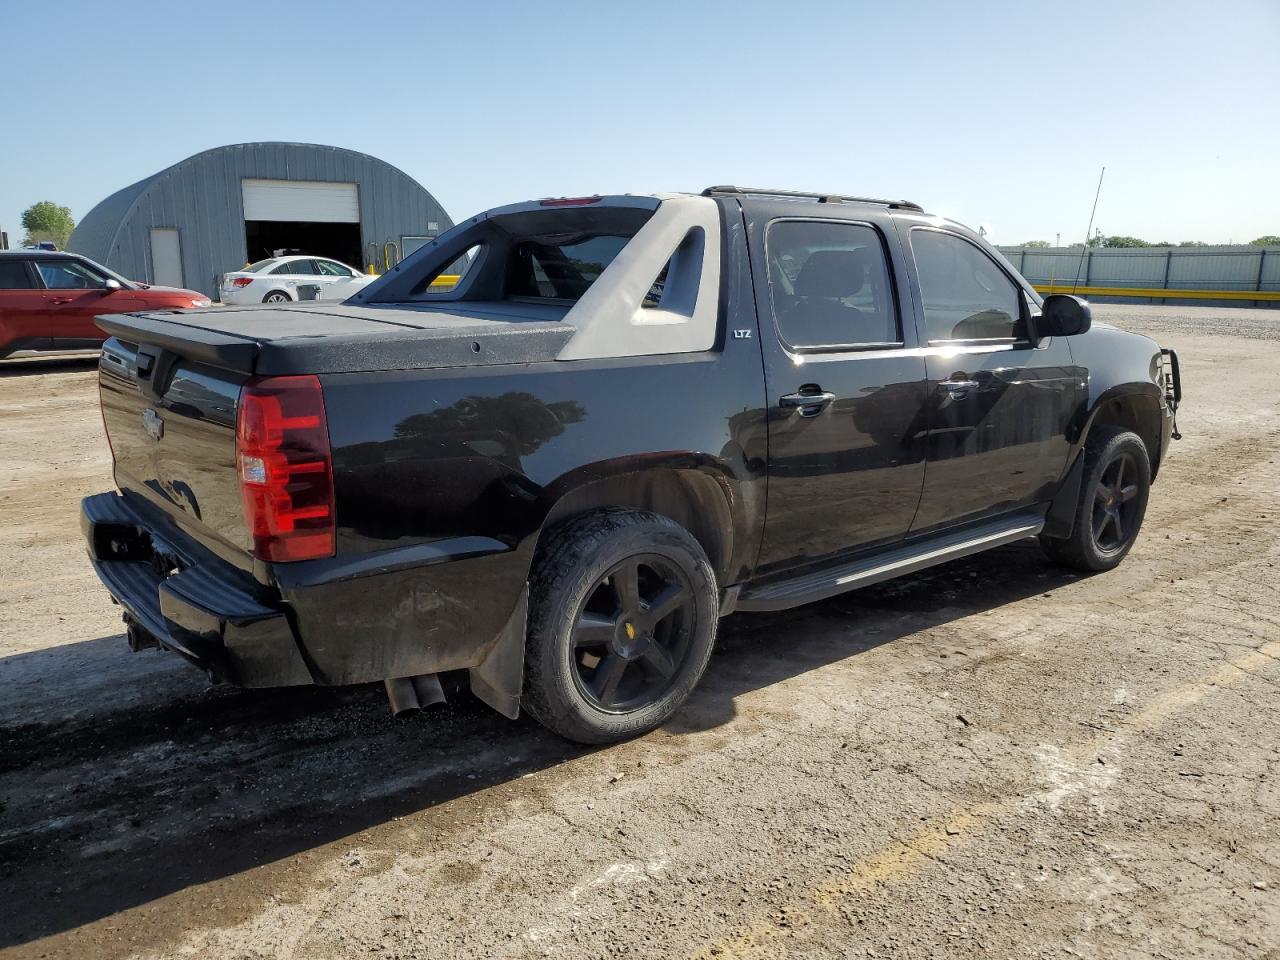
<point x="499" y="679"/>
<point x="1061" y="517"/>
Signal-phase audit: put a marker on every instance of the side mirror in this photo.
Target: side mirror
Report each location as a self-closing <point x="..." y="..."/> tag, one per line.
<point x="1063" y="316"/>
<point x="112" y="285"/>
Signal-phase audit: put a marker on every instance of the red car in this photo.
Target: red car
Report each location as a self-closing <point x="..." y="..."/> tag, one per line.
<point x="48" y="301"/>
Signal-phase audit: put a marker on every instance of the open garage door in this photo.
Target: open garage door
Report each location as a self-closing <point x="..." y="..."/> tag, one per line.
<point x="302" y="216"/>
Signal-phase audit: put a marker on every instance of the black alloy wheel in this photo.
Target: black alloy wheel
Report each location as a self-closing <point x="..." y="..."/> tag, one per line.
<point x="633" y="633"/>
<point x="1114" y="488"/>
<point x="1115" y="504"/>
<point x="623" y="609"/>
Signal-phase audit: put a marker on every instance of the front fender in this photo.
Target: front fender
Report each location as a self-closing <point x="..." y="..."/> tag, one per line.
<point x="1123" y="368"/>
<point x="1131" y="393"/>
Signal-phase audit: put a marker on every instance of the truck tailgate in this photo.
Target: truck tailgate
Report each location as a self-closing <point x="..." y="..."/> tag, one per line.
<point x="171" y="423"/>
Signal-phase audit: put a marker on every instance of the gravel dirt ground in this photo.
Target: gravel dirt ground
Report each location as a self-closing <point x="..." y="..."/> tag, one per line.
<point x="993" y="759"/>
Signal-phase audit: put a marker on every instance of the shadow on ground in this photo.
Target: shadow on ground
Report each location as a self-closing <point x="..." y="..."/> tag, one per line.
<point x="114" y="802"/>
<point x="72" y="363"/>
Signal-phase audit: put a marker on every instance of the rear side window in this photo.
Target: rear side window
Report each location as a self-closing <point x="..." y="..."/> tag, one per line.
<point x="14" y="275"/>
<point x="829" y="285"/>
<point x="966" y="295"/>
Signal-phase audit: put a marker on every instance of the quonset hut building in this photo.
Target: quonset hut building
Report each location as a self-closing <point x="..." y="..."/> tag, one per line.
<point x="218" y="210"/>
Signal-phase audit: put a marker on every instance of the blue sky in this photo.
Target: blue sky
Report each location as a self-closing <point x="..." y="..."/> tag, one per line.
<point x="992" y="113"/>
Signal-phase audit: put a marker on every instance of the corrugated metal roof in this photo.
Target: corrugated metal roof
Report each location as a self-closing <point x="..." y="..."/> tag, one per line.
<point x="201" y="197"/>
<point x="94" y="233"/>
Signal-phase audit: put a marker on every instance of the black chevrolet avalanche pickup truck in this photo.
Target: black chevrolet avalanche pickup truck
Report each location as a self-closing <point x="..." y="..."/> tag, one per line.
<point x="557" y="444"/>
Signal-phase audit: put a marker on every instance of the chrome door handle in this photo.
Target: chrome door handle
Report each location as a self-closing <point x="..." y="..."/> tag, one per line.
<point x="959" y="388"/>
<point x="809" y="404"/>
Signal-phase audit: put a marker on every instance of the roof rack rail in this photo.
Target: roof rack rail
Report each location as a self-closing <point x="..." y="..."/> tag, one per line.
<point x="807" y="195"/>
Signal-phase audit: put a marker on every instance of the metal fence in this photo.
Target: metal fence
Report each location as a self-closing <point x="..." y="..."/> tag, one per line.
<point x="1227" y="274"/>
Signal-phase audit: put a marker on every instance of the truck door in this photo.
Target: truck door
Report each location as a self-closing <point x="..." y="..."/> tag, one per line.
<point x="846" y="388"/>
<point x="999" y="404"/>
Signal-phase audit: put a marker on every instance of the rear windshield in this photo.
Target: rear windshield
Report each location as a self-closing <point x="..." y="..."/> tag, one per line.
<point x="551" y="256"/>
<point x="560" y="270"/>
<point x="255" y="267"/>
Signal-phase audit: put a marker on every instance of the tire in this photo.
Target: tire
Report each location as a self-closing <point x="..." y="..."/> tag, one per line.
<point x="277" y="296"/>
<point x="603" y="662"/>
<point x="1113" y="500"/>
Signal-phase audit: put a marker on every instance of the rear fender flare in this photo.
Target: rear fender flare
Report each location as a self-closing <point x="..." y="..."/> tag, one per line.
<point x="693" y="489"/>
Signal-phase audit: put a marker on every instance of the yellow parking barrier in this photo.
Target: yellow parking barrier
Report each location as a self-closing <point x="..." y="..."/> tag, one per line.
<point x="1270" y="296"/>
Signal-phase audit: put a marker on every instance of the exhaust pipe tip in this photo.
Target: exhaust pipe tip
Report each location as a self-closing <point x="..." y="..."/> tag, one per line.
<point x="410" y="694"/>
<point x="139" y="639"/>
<point x="401" y="696"/>
<point x="427" y="687"/>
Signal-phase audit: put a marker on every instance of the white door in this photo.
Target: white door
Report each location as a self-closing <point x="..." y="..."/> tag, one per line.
<point x="327" y="279"/>
<point x="307" y="201"/>
<point x="166" y="257"/>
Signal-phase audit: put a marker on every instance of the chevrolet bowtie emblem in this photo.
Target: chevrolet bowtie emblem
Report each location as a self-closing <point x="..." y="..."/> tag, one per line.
<point x="153" y="423"/>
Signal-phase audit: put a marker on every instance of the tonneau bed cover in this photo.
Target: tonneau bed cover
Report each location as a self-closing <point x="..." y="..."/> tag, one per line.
<point x="350" y="339"/>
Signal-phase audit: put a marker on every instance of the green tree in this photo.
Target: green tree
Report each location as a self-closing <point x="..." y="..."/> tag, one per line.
<point x="1122" y="242"/>
<point x="47" y="221"/>
<point x="1036" y="244"/>
<point x="1193" y="243"/>
<point x="1270" y="240"/>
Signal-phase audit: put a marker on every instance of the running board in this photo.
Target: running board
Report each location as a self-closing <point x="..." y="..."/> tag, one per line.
<point x="830" y="581"/>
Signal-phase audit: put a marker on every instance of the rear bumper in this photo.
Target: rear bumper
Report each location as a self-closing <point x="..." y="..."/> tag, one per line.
<point x="423" y="608"/>
<point x="190" y="601"/>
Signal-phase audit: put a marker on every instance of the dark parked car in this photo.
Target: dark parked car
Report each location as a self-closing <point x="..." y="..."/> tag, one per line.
<point x="48" y="301"/>
<point x="556" y="444"/>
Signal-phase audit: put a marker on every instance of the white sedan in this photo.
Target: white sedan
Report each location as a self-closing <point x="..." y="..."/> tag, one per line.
<point x="286" y="279"/>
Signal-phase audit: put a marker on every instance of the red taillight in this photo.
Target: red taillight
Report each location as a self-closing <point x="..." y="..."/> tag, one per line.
<point x="569" y="201"/>
<point x="241" y="281"/>
<point x="286" y="469"/>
